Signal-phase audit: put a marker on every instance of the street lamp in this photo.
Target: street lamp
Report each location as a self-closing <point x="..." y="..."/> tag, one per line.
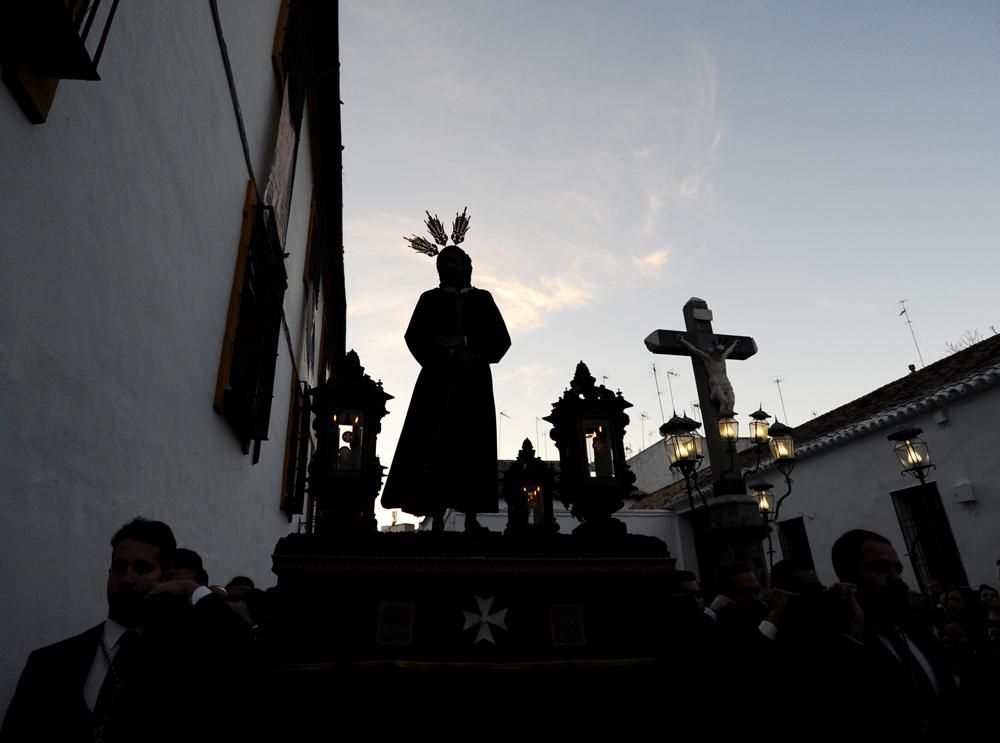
<point x="912" y="452"/>
<point x="783" y="448"/>
<point x="758" y="436"/>
<point x="762" y="491"/>
<point x="729" y="431"/>
<point x="685" y="449"/>
<point x="759" y="426"/>
<point x="729" y="428"/>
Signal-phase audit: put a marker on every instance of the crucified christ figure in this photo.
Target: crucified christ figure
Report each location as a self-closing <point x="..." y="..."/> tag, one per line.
<point x="720" y="388"/>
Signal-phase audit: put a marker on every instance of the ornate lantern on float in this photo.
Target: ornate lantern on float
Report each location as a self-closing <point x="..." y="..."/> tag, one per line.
<point x="528" y="490"/>
<point x="588" y="427"/>
<point x="345" y="474"/>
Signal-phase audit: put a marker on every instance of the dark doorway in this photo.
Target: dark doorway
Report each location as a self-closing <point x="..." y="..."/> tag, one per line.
<point x="930" y="544"/>
<point x="795" y="541"/>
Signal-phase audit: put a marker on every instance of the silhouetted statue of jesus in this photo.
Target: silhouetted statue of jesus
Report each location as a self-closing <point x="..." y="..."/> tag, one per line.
<point x="447" y="452"/>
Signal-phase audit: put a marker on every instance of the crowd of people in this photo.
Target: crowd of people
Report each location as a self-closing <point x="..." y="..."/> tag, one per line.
<point x="863" y="658"/>
<point x="178" y="658"/>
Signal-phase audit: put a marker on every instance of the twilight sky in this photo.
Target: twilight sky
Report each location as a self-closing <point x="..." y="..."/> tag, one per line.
<point x="801" y="166"/>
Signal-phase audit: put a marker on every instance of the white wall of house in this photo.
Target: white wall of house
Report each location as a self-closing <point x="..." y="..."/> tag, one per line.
<point x="651" y="468"/>
<point x="848" y="486"/>
<point x="117" y="250"/>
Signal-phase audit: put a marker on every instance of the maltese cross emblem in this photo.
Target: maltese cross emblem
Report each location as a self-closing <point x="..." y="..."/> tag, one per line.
<point x="484" y="619"/>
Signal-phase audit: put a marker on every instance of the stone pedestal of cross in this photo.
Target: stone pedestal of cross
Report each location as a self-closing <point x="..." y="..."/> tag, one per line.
<point x="726" y="476"/>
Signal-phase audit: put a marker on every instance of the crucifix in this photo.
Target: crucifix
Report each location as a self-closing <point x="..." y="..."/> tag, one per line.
<point x="709" y="352"/>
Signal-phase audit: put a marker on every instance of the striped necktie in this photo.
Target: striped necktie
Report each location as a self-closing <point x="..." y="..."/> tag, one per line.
<point x="119" y="670"/>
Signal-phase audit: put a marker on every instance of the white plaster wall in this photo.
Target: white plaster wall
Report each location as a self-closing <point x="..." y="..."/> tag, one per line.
<point x="651" y="468"/>
<point x="249" y="31"/>
<point x="296" y="245"/>
<point x="121" y="222"/>
<point x="848" y="486"/>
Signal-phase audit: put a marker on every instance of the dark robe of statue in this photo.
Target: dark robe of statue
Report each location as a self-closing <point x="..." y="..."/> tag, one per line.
<point x="447" y="452"/>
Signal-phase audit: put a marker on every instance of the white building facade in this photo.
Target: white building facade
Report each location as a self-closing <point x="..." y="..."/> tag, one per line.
<point x="123" y="289"/>
<point x="846" y="476"/>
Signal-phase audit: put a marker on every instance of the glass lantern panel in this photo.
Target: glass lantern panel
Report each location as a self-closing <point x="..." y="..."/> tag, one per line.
<point x="597" y="444"/>
<point x="729" y="429"/>
<point x="758" y="431"/>
<point x="913" y="453"/>
<point x="349" y="429"/>
<point x="533" y="502"/>
<point x="683" y="447"/>
<point x="782" y="447"/>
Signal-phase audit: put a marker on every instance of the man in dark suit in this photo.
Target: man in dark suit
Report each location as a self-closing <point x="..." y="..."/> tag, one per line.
<point x="891" y="671"/>
<point x="160" y="638"/>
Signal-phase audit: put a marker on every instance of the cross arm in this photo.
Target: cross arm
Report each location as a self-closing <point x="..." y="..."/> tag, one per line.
<point x="668" y="342"/>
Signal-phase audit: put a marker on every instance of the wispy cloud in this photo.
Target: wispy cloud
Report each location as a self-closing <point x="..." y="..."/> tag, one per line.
<point x="675" y="137"/>
<point x="534" y="370"/>
<point x="652" y="263"/>
<point x="526" y="306"/>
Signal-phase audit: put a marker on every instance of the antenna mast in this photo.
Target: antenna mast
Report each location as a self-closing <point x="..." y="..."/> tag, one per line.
<point x="659" y="395"/>
<point x="671" y="373"/>
<point x="906" y="314"/>
<point x="777" y="381"/>
<point x="500" y="429"/>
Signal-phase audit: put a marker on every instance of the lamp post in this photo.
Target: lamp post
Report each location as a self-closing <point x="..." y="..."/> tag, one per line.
<point x="782" y="444"/>
<point x="729" y="433"/>
<point x="759" y="437"/>
<point x="765" y="502"/>
<point x="685" y="449"/>
<point x="729" y="428"/>
<point x="759" y="426"/>
<point x="912" y="452"/>
<point x="783" y="450"/>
